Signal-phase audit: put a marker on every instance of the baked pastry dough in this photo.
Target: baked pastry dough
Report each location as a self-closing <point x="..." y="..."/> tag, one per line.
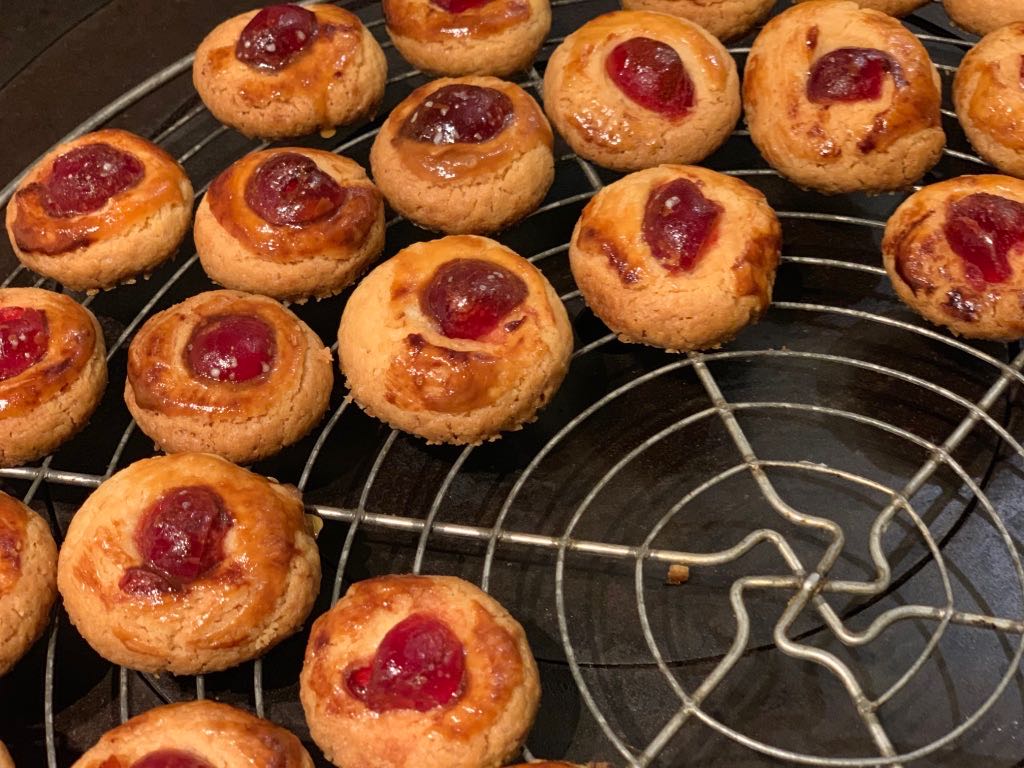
<point x="676" y="256"/>
<point x="228" y="373"/>
<point x="600" y="95"/>
<point x="196" y="734"/>
<point x="989" y="98"/>
<point x="984" y="16"/>
<point x="891" y="7"/>
<point x="28" y="582"/>
<point x="288" y="70"/>
<point x="100" y="210"/>
<point x="954" y="254"/>
<point x="725" y="19"/>
<point x="840" y="98"/>
<point x="53" y="371"/>
<point x="5" y="757"/>
<point x="468" y="37"/>
<point x="290" y="223"/>
<point x="464" y="155"/>
<point x="188" y="564"/>
<point x="454" y="340"/>
<point x="369" y="704"/>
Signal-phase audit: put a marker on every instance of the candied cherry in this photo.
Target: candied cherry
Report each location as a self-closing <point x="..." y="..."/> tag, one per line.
<point x="458" y="6"/>
<point x="233" y="348"/>
<point x="290" y="189"/>
<point x="171" y="758"/>
<point x="83" y="179"/>
<point x="467" y="298"/>
<point x="679" y="223"/>
<point x="465" y="114"/>
<point x="651" y="73"/>
<point x="276" y="35"/>
<point x="982" y="229"/>
<point x="420" y="664"/>
<point x="24" y="338"/>
<point x="851" y="74"/>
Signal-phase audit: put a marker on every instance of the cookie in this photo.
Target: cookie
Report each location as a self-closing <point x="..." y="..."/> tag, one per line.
<point x="188" y="564"/>
<point x="455" y="340"/>
<point x="676" y="256"/>
<point x="228" y="373"/>
<point x="634" y="89"/>
<point x="418" y="672"/>
<point x="5" y="757"/>
<point x="843" y="99"/>
<point x="984" y="16"/>
<point x="468" y="37"/>
<point x="891" y="7"/>
<point x="725" y="19"/>
<point x="953" y="253"/>
<point x="465" y="155"/>
<point x="53" y="371"/>
<point x="989" y="101"/>
<point x="196" y="734"/>
<point x="289" y="70"/>
<point x="290" y="223"/>
<point x="28" y="582"/>
<point x="100" y="210"/>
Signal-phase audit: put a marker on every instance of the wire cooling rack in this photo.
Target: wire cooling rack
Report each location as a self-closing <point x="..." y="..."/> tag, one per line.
<point x="842" y="481"/>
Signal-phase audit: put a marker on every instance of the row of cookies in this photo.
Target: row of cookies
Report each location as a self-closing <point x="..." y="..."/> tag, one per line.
<point x="189" y="564"/>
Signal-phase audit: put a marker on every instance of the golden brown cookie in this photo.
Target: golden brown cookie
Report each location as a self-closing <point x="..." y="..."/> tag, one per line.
<point x="984" y="16"/>
<point x="840" y="98"/>
<point x="196" y="734"/>
<point x="676" y="256"/>
<point x="28" y="581"/>
<point x="229" y="373"/>
<point x="891" y="7"/>
<point x="455" y="340"/>
<point x="725" y="19"/>
<point x="290" y="223"/>
<point x="468" y="704"/>
<point x="468" y="37"/>
<point x="464" y="155"/>
<point x="5" y="757"/>
<point x="53" y="371"/>
<point x="954" y="254"/>
<point x="100" y="210"/>
<point x="601" y="97"/>
<point x="989" y="98"/>
<point x="287" y="70"/>
<point x="188" y="564"/>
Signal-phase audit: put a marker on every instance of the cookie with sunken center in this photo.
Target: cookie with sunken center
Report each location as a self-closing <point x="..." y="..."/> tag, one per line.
<point x="833" y="141"/>
<point x="114" y="239"/>
<point x="188" y="564"/>
<point x="28" y="582"/>
<point x="984" y="16"/>
<point x="197" y="734"/>
<point x="474" y="176"/>
<point x="336" y="78"/>
<point x="316" y="242"/>
<point x="187" y="399"/>
<point x="625" y="258"/>
<point x="725" y="19"/>
<point x="48" y="397"/>
<point x="455" y="37"/>
<point x="891" y="7"/>
<point x="605" y="124"/>
<point x="980" y="296"/>
<point x="481" y="725"/>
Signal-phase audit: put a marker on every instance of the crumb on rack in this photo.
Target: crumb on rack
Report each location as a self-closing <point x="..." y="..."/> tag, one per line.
<point x="678" y="574"/>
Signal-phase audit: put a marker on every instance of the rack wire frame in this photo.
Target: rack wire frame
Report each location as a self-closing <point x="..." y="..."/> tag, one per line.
<point x="807" y="584"/>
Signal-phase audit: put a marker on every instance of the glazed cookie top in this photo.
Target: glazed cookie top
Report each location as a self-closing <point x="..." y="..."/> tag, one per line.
<point x="361" y="657"/>
<point x="199" y="734"/>
<point x="286" y="204"/>
<point x="674" y="221"/>
<point x="95" y="187"/>
<point x="841" y="81"/>
<point x="14" y="519"/>
<point x="187" y="543"/>
<point x="220" y="352"/>
<point x="459" y="128"/>
<point x="992" y="70"/>
<point x="465" y="316"/>
<point x="439" y="20"/>
<point x="960" y="241"/>
<point x="46" y="340"/>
